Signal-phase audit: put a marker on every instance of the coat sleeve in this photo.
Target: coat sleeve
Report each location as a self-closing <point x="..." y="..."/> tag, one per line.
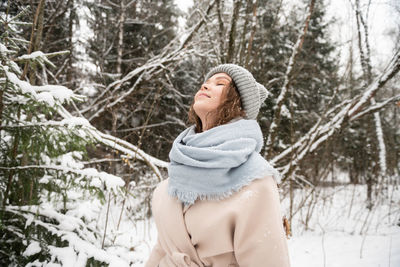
<point x="259" y="237"/>
<point x="157" y="253"/>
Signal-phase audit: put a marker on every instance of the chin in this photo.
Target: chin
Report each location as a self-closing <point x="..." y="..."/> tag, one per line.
<point x="201" y="108"/>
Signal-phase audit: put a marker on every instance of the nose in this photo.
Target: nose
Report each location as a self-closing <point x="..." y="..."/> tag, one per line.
<point x="204" y="87"/>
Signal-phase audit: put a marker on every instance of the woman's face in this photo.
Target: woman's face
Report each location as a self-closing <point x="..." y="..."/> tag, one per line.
<point x="209" y="97"/>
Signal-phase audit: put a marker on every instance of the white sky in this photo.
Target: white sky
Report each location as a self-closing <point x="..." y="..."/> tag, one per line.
<point x="184" y="4"/>
<point x="382" y="20"/>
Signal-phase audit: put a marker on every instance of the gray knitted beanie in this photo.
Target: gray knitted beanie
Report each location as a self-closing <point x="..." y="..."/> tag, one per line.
<point x="251" y="92"/>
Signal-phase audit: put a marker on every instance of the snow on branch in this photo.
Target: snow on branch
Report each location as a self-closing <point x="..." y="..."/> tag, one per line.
<point x="117" y="84"/>
<point x="121" y="145"/>
<point x="4" y="50"/>
<point x="40" y="57"/>
<point x="71" y="122"/>
<point x="375" y="107"/>
<point x="132" y="151"/>
<point x="350" y="111"/>
<point x="50" y="94"/>
<point x="98" y="179"/>
<point x="8" y="19"/>
<point x="191" y="32"/>
<point x="285" y="87"/>
<point x="391" y="70"/>
<point x="120" y="98"/>
<point x="150" y="68"/>
<point x="80" y="238"/>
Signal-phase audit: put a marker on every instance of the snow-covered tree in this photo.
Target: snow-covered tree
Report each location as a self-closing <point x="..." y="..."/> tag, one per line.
<point x="51" y="201"/>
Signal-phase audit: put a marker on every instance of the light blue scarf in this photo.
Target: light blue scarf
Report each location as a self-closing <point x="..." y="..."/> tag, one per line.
<point x="218" y="162"/>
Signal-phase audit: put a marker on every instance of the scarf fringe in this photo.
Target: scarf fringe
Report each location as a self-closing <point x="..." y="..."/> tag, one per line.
<point x="189" y="197"/>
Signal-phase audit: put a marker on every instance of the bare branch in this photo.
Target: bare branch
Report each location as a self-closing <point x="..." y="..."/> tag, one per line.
<point x="376" y="107"/>
<point x="150" y="67"/>
<point x="122" y="146"/>
<point x="391" y="70"/>
<point x="352" y="109"/>
<point x="285" y="88"/>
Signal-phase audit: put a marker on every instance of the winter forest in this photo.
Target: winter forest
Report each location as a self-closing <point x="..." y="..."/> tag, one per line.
<point x="93" y="93"/>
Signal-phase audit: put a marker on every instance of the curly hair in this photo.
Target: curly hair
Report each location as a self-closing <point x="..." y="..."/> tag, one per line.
<point x="229" y="108"/>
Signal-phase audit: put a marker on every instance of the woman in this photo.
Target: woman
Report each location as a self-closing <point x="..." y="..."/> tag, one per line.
<point x="220" y="205"/>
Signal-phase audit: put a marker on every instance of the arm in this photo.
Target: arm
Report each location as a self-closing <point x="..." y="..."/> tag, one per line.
<point x="157" y="253"/>
<point x="259" y="238"/>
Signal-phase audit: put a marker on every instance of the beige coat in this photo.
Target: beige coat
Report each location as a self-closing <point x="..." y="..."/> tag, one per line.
<point x="242" y="230"/>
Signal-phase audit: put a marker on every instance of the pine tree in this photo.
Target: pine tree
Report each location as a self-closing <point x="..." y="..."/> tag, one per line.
<point x="59" y="24"/>
<point x="43" y="181"/>
<point x="313" y="88"/>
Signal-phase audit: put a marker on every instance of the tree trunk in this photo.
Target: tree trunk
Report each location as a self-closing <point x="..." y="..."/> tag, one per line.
<point x="120" y="36"/>
<point x="37" y="39"/>
<point x="37" y="29"/>
<point x="232" y="34"/>
<point x="365" y="58"/>
<point x="71" y="45"/>
<point x="1" y="102"/>
<point x="244" y="33"/>
<point x="253" y="32"/>
<point x="221" y="30"/>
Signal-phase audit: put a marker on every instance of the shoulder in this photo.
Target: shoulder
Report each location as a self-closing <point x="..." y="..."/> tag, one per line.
<point x="258" y="195"/>
<point x="161" y="190"/>
<point x="162" y="185"/>
<point x="265" y="185"/>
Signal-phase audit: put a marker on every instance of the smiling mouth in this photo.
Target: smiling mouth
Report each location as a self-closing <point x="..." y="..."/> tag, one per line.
<point x="204" y="95"/>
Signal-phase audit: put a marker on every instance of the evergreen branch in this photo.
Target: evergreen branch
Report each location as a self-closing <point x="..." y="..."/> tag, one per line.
<point x="23" y="12"/>
<point x="77" y="237"/>
<point x="109" y="180"/>
<point x="66" y="122"/>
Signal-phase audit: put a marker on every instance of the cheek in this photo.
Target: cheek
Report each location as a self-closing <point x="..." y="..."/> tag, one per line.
<point x="202" y="104"/>
<point x="219" y="95"/>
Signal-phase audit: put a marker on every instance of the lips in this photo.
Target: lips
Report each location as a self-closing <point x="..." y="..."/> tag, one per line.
<point x="204" y="94"/>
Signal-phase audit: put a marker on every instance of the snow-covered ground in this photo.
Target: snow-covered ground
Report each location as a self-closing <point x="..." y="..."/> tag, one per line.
<point x="332" y="249"/>
<point x="339" y="249"/>
<point x="341" y="231"/>
<point x="331" y="228"/>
